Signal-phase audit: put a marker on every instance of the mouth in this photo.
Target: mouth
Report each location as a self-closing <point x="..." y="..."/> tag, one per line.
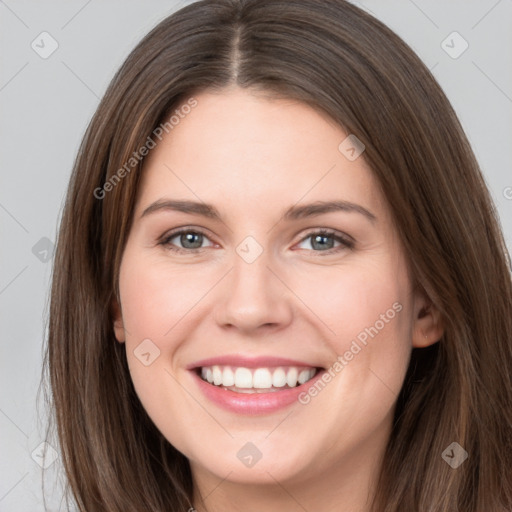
<point x="256" y="380"/>
<point x="253" y="386"/>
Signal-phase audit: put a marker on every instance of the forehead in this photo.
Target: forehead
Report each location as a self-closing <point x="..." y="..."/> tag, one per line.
<point x="255" y="151"/>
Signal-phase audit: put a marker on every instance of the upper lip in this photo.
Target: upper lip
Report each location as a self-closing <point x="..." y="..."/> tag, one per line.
<point x="241" y="361"/>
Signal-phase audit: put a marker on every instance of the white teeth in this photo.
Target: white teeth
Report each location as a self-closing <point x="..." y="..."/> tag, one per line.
<point x="228" y="377"/>
<point x="217" y="375"/>
<point x="291" y="377"/>
<point x="304" y="376"/>
<point x="243" y="378"/>
<point x="258" y="378"/>
<point x="279" y="378"/>
<point x="262" y="378"/>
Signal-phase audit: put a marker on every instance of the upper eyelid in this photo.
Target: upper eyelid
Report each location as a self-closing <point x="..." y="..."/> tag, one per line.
<point x="178" y="231"/>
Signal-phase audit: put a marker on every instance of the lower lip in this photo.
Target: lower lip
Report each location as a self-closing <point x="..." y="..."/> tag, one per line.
<point x="253" y="403"/>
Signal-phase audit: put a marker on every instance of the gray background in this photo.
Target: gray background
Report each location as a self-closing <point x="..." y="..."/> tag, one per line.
<point x="47" y="103"/>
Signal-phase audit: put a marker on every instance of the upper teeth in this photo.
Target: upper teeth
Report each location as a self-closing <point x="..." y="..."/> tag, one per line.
<point x="259" y="378"/>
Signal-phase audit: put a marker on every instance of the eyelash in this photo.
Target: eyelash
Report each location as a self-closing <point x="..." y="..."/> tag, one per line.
<point x="345" y="241"/>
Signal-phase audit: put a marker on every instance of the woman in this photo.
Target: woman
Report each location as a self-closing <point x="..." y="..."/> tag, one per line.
<point x="204" y="355"/>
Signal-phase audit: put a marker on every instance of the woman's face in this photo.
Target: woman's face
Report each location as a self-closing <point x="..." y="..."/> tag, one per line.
<point x="288" y="289"/>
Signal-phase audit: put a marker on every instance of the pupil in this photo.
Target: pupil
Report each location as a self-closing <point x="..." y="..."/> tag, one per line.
<point x="191" y="240"/>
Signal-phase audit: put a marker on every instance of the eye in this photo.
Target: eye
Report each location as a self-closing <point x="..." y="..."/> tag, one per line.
<point x="189" y="240"/>
<point x="325" y="240"/>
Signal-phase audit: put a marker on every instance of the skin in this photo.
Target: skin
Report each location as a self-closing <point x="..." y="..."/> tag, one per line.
<point x="252" y="157"/>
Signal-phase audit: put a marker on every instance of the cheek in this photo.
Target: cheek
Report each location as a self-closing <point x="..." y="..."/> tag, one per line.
<point x="366" y="314"/>
<point x="160" y="305"/>
<point x="156" y="298"/>
<point x="348" y="299"/>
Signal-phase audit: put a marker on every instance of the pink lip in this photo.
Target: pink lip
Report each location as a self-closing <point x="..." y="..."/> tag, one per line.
<point x="248" y="362"/>
<point x="252" y="403"/>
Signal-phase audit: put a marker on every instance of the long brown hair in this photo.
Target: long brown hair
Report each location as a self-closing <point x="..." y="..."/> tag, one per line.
<point x="340" y="60"/>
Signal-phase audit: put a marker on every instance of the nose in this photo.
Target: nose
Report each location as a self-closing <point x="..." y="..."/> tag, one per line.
<point x="254" y="298"/>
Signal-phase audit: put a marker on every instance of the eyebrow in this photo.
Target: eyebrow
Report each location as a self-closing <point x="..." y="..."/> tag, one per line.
<point x="293" y="213"/>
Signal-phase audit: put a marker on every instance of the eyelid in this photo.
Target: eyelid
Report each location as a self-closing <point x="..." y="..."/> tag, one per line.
<point x="328" y="231"/>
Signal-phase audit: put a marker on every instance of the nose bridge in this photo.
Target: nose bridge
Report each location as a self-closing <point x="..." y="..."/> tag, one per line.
<point x="253" y="295"/>
<point x="252" y="276"/>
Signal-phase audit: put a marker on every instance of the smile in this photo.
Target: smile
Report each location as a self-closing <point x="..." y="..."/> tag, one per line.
<point x="249" y="385"/>
<point x="256" y="380"/>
